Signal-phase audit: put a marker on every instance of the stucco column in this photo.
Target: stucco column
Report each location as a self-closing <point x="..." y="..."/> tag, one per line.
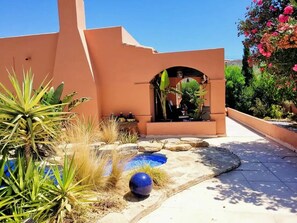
<point x="72" y="62"/>
<point x="217" y="105"/>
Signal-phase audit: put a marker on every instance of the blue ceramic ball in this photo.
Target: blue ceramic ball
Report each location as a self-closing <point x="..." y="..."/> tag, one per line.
<point x="141" y="184"/>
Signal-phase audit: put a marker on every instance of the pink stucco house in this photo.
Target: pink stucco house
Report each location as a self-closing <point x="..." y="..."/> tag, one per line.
<point x="112" y="68"/>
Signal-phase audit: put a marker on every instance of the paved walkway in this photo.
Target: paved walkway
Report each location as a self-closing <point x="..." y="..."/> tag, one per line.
<point x="262" y="190"/>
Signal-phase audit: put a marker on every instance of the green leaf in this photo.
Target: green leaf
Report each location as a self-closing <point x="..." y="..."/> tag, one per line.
<point x="56" y="98"/>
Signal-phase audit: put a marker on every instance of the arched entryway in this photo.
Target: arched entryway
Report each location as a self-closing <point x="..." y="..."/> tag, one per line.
<point x="187" y="98"/>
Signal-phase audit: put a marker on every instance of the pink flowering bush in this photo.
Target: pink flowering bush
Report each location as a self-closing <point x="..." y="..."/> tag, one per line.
<point x="270" y="31"/>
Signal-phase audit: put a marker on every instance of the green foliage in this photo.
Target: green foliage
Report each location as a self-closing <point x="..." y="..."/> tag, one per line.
<point x="53" y="97"/>
<point x="272" y="41"/>
<point x="260" y="109"/>
<point x="25" y="123"/>
<point x="247" y="71"/>
<point x="30" y="192"/>
<point x="235" y="82"/>
<point x="164" y="90"/>
<point x="198" y="100"/>
<point x="276" y="111"/>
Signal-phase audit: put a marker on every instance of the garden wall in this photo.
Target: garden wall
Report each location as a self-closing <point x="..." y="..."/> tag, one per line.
<point x="279" y="134"/>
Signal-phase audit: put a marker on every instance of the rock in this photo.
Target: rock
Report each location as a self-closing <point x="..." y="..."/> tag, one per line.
<point x="190" y="139"/>
<point x="194" y="142"/>
<point x="170" y="140"/>
<point x="128" y="149"/>
<point x="149" y="147"/>
<point x="97" y="145"/>
<point x="106" y="149"/>
<point x="203" y="144"/>
<point x="178" y="147"/>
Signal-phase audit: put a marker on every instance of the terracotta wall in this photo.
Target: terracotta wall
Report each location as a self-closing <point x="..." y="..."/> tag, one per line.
<point x="279" y="134"/>
<point x="109" y="66"/>
<point x="21" y="53"/>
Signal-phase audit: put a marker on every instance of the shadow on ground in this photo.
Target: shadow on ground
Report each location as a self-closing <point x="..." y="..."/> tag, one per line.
<point x="267" y="176"/>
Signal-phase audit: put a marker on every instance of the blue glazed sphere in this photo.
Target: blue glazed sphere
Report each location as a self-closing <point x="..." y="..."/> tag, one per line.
<point x="141" y="184"/>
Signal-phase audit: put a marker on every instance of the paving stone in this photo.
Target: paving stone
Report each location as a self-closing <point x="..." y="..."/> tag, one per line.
<point x="149" y="147"/>
<point x="177" y="147"/>
<point x="194" y="142"/>
<point x="170" y="140"/>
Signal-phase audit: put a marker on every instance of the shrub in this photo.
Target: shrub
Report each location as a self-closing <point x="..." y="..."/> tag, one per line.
<point x="260" y="109"/>
<point x="160" y="177"/>
<point x="30" y="191"/>
<point x="235" y="82"/>
<point x="25" y="123"/>
<point x="276" y="111"/>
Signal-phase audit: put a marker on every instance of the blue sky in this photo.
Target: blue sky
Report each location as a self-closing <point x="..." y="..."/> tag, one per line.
<point x="166" y="25"/>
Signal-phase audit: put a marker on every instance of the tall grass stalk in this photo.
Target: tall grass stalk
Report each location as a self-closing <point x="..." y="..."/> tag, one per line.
<point x="109" y="131"/>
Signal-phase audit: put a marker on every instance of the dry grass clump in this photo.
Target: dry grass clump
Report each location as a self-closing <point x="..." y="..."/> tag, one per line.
<point x="109" y="131"/>
<point x="160" y="177"/>
<point x="127" y="137"/>
<point x="118" y="162"/>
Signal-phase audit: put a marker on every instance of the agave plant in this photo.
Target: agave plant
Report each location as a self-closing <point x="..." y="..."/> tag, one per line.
<point x="26" y="123"/>
<point x="34" y="191"/>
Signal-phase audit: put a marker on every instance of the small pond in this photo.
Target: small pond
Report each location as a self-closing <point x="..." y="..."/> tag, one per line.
<point x="146" y="159"/>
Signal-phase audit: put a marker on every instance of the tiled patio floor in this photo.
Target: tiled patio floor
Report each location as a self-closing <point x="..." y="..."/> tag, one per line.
<point x="263" y="189"/>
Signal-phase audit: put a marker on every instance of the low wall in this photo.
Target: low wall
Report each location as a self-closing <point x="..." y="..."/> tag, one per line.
<point x="202" y="128"/>
<point x="279" y="134"/>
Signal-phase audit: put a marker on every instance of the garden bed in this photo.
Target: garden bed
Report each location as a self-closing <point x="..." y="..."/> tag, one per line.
<point x="186" y="169"/>
<point x="279" y="134"/>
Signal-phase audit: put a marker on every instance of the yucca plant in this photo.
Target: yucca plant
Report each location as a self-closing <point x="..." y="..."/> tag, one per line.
<point x="25" y="123"/>
<point x="43" y="194"/>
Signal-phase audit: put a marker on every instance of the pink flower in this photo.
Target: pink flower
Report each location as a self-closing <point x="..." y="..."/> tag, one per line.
<point x="283" y="18"/>
<point x="254" y="31"/>
<point x="260" y="2"/>
<point x="272" y="8"/>
<point x="262" y="69"/>
<point x="288" y="10"/>
<point x="275" y="34"/>
<point x="270" y="65"/>
<point x="254" y="1"/>
<point x="295" y="68"/>
<point x="267" y="54"/>
<point x="269" y="24"/>
<point x="246" y="34"/>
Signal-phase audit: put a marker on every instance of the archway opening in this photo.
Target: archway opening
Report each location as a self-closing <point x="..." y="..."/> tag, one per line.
<point x="185" y="95"/>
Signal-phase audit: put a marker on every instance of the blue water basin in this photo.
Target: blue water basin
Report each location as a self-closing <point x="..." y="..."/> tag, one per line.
<point x="152" y="160"/>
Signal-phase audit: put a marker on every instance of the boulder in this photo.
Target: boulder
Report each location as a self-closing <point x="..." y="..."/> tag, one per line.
<point x="149" y="147"/>
<point x="97" y="145"/>
<point x="170" y="140"/>
<point x="194" y="142"/>
<point x="178" y="147"/>
<point x="128" y="149"/>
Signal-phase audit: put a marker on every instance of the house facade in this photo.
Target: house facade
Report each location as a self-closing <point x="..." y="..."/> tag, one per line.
<point x="115" y="71"/>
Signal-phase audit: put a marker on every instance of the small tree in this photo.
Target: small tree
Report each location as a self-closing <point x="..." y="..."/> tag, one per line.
<point x="247" y="71"/>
